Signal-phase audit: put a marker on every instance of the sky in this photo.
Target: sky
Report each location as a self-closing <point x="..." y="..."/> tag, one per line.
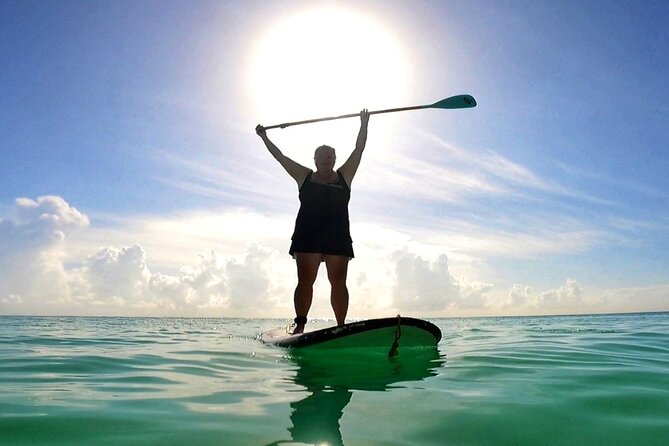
<point x="132" y="182"/>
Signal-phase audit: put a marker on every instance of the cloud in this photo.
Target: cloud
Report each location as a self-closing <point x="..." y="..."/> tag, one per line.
<point x="469" y="200"/>
<point x="11" y="299"/>
<point x="572" y="298"/>
<point x="31" y="251"/>
<point x="518" y="296"/>
<point x="229" y="180"/>
<point x="517" y="243"/>
<point x="650" y="298"/>
<point x="568" y="295"/>
<point x="473" y="294"/>
<point x="497" y="174"/>
<point x="242" y="270"/>
<point x="445" y="173"/>
<point x="39" y="274"/>
<point x="118" y="273"/>
<point x="121" y="278"/>
<point x="249" y="280"/>
<point x="173" y="240"/>
<point x="38" y="224"/>
<point x="421" y="285"/>
<point x="428" y="286"/>
<point x="568" y="298"/>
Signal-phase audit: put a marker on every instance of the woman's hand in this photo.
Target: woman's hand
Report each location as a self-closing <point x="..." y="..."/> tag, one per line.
<point x="364" y="117"/>
<point x="260" y="131"/>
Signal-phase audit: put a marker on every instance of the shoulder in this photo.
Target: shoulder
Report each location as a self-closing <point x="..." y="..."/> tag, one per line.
<point x="304" y="177"/>
<point x="345" y="179"/>
<point x="348" y="169"/>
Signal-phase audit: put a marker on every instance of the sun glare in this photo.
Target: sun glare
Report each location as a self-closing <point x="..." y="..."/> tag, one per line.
<point x="325" y="62"/>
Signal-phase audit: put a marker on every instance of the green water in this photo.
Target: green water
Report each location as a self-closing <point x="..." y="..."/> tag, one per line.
<point x="516" y="381"/>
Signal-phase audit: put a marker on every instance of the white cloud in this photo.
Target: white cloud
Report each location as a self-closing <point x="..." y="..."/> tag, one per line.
<point x="172" y="241"/>
<point x="119" y="280"/>
<point x="473" y="294"/>
<point x="118" y="273"/>
<point x="572" y="298"/>
<point x="38" y="224"/>
<point x="11" y="299"/>
<point x="52" y="263"/>
<point x="431" y="181"/>
<point x="422" y="285"/>
<point x="650" y="298"/>
<point x="31" y="252"/>
<point x="250" y="280"/>
<point x="569" y="298"/>
<point x="568" y="295"/>
<point x="521" y="299"/>
<point x="42" y="274"/>
<point x="203" y="284"/>
<point x="444" y="173"/>
<point x="484" y="242"/>
<point x="518" y="296"/>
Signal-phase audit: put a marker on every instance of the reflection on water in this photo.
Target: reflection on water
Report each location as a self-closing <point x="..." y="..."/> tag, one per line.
<point x="316" y="418"/>
<point x="331" y="376"/>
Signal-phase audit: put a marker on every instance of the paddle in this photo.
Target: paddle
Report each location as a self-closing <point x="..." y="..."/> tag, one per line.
<point x="459" y="101"/>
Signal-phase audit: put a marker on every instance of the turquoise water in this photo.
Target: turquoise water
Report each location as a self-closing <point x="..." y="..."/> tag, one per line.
<point x="516" y="381"/>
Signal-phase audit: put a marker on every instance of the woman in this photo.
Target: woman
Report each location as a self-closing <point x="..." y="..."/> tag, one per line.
<point x="322" y="226"/>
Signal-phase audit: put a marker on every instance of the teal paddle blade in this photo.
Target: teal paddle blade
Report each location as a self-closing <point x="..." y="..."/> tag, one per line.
<point x="459" y="101"/>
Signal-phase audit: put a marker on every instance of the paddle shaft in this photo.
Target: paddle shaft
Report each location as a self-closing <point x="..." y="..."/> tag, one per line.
<point x="351" y="115"/>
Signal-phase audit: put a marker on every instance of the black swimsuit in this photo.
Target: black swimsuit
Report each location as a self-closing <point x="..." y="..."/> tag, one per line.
<point x="322" y="224"/>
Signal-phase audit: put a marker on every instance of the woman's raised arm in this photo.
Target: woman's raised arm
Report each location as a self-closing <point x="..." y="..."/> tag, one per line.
<point x="295" y="170"/>
<point x="349" y="168"/>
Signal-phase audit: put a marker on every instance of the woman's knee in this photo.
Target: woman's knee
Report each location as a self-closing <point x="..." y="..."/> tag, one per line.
<point x="307" y="269"/>
<point x="337" y="270"/>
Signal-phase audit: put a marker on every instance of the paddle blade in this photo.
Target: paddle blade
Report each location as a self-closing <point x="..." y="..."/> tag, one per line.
<point x="459" y="101"/>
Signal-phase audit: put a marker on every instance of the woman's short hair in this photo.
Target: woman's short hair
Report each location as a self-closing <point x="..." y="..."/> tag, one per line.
<point x="323" y="147"/>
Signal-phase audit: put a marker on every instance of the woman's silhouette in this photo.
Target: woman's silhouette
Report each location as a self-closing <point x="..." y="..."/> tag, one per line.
<point x="322" y="224"/>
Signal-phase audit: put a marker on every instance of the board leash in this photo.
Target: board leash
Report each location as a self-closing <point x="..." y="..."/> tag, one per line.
<point x="394" y="349"/>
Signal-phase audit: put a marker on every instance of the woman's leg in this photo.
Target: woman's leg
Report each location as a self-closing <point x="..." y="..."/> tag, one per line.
<point x="307" y="269"/>
<point x="337" y="269"/>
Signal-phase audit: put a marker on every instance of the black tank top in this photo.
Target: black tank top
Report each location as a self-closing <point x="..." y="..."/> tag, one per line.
<point x="323" y="210"/>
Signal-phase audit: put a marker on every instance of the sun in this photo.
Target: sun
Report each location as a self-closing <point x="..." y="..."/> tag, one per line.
<point x="325" y="62"/>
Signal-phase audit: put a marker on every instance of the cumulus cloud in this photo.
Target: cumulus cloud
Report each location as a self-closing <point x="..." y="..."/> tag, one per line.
<point x="652" y="298"/>
<point x="568" y="298"/>
<point x="44" y="271"/>
<point x="120" y="280"/>
<point x="572" y="298"/>
<point x="568" y="295"/>
<point x="35" y="225"/>
<point x="31" y="251"/>
<point x="473" y="294"/>
<point x="517" y="296"/>
<point x="204" y="284"/>
<point x="249" y="280"/>
<point x="422" y="285"/>
<point x="34" y="278"/>
<point x="118" y="273"/>
<point x="121" y="277"/>
<point x="11" y="299"/>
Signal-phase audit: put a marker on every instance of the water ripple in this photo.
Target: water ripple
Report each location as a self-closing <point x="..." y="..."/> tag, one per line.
<point x="521" y="381"/>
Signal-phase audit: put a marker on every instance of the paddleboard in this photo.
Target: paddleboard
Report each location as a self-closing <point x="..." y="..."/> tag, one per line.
<point x="376" y="333"/>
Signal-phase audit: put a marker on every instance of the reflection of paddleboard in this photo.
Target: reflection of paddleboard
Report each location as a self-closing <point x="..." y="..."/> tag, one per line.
<point x="406" y="331"/>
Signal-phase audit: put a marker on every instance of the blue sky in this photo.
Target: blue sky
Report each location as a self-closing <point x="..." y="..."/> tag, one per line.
<point x="134" y="123"/>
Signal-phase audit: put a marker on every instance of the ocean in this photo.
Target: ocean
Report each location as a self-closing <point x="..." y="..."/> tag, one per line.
<point x="567" y="380"/>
